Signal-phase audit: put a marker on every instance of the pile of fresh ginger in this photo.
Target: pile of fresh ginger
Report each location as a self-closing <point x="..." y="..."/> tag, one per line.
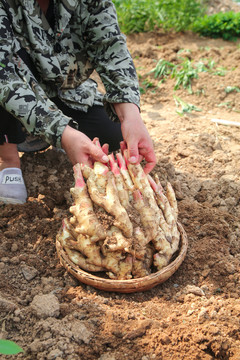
<point x="123" y="223"/>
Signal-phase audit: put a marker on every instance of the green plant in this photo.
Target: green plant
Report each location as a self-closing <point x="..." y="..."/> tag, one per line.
<point x="221" y="25"/>
<point x="136" y="16"/>
<point x="146" y="15"/>
<point x="226" y="104"/>
<point x="220" y="71"/>
<point x="200" y="92"/>
<point x="185" y="75"/>
<point x="178" y="15"/>
<point x="211" y="64"/>
<point x="185" y="72"/>
<point x="147" y="84"/>
<point x="185" y="107"/>
<point x="163" y="68"/>
<point x="8" y="347"/>
<point x="230" y="89"/>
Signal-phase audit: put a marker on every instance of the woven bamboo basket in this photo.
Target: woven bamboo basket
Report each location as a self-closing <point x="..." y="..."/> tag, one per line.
<point x="126" y="286"/>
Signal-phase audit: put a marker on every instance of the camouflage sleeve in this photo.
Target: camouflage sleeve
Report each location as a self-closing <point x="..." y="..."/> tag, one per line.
<point x="107" y="49"/>
<point x="20" y="93"/>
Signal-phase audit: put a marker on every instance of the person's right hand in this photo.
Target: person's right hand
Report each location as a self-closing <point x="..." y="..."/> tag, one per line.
<point x="80" y="149"/>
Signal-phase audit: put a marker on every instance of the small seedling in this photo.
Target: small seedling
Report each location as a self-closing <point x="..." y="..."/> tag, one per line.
<point x="200" y="92"/>
<point x="221" y="71"/>
<point x="162" y="69"/>
<point x="185" y="107"/>
<point x="230" y="89"/>
<point x="147" y="84"/>
<point x="185" y="75"/>
<point x="227" y="104"/>
<point x="188" y="51"/>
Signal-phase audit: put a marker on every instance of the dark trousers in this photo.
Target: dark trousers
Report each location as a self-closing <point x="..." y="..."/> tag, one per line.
<point x="94" y="123"/>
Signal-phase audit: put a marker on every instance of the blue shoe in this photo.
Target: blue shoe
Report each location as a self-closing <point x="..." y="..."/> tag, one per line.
<point x="12" y="186"/>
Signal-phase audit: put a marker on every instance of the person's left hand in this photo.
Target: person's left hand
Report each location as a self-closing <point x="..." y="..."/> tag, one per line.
<point x="135" y="135"/>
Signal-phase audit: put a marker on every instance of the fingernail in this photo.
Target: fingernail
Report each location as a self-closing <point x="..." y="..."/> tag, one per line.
<point x="133" y="159"/>
<point x="105" y="158"/>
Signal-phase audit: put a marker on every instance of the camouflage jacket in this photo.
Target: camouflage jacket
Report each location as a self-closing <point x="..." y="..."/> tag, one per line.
<point x="86" y="38"/>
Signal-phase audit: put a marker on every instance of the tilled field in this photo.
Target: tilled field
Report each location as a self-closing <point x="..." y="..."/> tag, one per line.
<point x="194" y="314"/>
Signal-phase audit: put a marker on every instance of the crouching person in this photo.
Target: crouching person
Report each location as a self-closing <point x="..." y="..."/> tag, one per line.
<point x="49" y="49"/>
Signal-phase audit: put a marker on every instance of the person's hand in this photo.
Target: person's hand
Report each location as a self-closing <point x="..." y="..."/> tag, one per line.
<point x="80" y="149"/>
<point x="135" y="135"/>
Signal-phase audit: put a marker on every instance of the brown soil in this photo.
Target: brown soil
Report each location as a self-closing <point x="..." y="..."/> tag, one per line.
<point x="194" y="314"/>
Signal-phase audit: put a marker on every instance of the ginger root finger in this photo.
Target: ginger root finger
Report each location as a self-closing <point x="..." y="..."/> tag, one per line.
<point x="77" y="258"/>
<point x="165" y="249"/>
<point x="66" y="239"/>
<point x="86" y="170"/>
<point x="115" y="241"/>
<point x="163" y="203"/>
<point x="84" y="216"/>
<point x="159" y="261"/>
<point x="147" y="215"/>
<point x="140" y="181"/>
<point x="166" y="218"/>
<point x="139" y="243"/>
<point x="175" y="238"/>
<point x="110" y="202"/>
<point x="121" y="187"/>
<point x="124" y="171"/>
<point x="142" y="268"/>
<point x="172" y="199"/>
<point x="124" y="270"/>
<point x="170" y="194"/>
<point x="82" y="243"/>
<point x="100" y="178"/>
<point x="117" y="263"/>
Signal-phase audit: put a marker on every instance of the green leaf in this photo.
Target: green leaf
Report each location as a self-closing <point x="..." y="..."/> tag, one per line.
<point x="8" y="347"/>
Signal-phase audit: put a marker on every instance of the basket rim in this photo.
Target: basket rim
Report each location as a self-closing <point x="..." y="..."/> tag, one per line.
<point x="130" y="285"/>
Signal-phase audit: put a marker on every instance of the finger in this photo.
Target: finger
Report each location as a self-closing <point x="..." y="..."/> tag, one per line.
<point x="148" y="167"/>
<point x="150" y="158"/>
<point x="86" y="159"/>
<point x="96" y="142"/>
<point x="98" y="154"/>
<point x="123" y="146"/>
<point x="133" y="153"/>
<point x="151" y="162"/>
<point x="105" y="148"/>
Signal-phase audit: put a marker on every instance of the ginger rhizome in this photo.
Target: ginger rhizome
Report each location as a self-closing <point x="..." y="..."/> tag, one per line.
<point x="123" y="223"/>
